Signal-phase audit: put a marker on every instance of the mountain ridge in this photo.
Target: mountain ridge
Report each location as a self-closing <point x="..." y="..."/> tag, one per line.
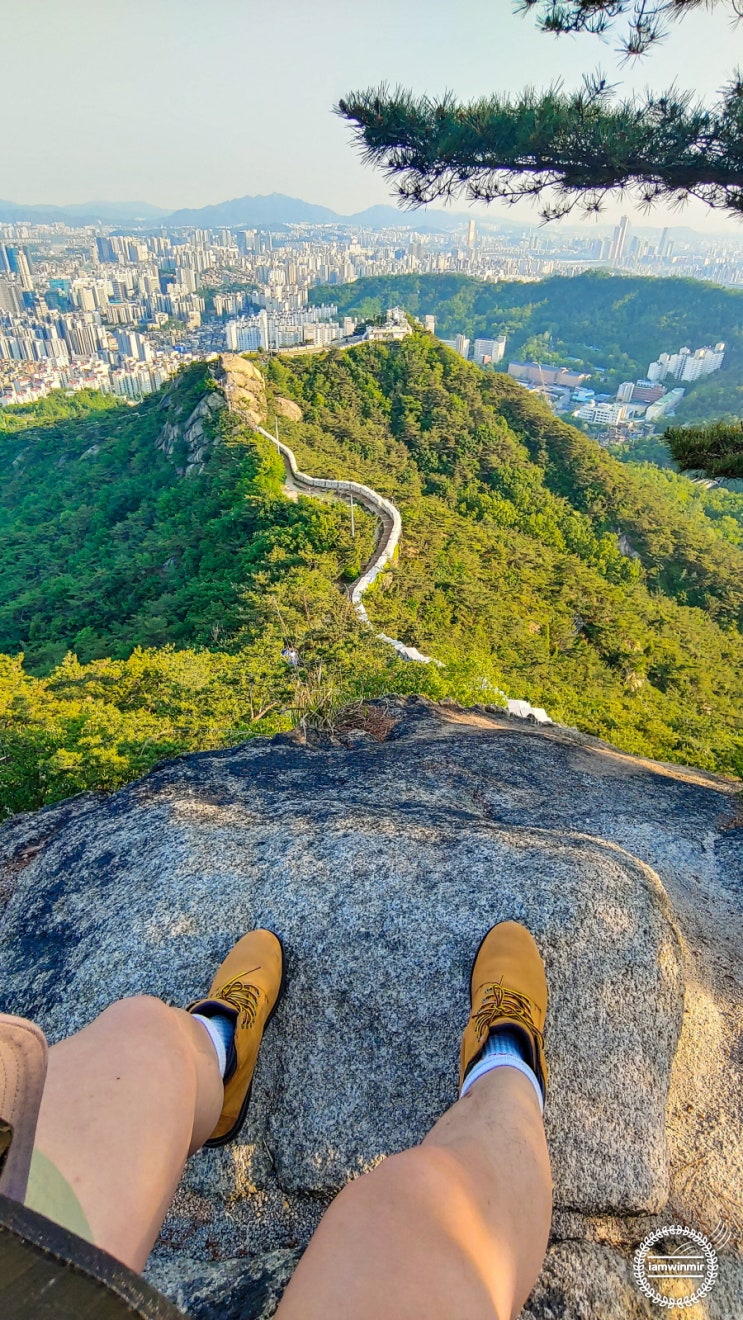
<point x="599" y="322"/>
<point x="80" y="213"/>
<point x="379" y="215"/>
<point x="262" y="210"/>
<point x="154" y="571"/>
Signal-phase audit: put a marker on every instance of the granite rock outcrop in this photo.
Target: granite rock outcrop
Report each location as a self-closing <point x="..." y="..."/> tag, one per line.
<point x="380" y="855"/>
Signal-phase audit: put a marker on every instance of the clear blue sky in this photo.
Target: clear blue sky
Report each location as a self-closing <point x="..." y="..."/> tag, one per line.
<point x="186" y="102"/>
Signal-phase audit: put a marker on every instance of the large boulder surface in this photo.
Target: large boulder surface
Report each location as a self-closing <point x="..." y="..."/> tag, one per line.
<point x="243" y="386"/>
<point x="381" y="856"/>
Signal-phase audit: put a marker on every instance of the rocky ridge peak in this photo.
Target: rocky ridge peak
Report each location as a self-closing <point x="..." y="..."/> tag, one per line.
<point x="240" y="387"/>
<point x="243" y="386"/>
<point x="288" y="408"/>
<point x="190" y="431"/>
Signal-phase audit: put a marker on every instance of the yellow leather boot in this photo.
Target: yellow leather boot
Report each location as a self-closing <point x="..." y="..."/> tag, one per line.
<point x="246" y="989"/>
<point x="508" y="988"/>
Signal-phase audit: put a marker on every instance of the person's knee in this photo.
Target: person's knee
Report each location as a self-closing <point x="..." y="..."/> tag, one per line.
<point x="423" y="1178"/>
<point x="140" y="1015"/>
<point x="143" y="1033"/>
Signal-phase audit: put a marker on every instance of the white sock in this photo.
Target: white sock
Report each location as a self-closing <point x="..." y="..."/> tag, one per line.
<point x="503" y="1049"/>
<point x="221" y="1033"/>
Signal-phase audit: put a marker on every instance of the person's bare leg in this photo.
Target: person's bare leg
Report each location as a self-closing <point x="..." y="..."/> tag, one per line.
<point x="127" y="1099"/>
<point x="456" y="1227"/>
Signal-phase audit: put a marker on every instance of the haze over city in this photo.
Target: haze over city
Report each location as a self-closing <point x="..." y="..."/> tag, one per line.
<point x="179" y="104"/>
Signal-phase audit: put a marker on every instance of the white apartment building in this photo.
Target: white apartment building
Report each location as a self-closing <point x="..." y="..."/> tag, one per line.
<point x="686" y="365"/>
<point x="282" y="329"/>
<point x="703" y="362"/>
<point x="489" y="350"/>
<point x="185" y="278"/>
<point x="131" y="344"/>
<point x="321" y="333"/>
<point x="602" y="414"/>
<point x="248" y="334"/>
<point x="228" y="303"/>
<point x="665" y="405"/>
<point x="460" y="344"/>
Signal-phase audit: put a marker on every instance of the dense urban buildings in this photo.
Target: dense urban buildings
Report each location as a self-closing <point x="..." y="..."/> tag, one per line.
<point x="121" y="312"/>
<point x="638" y="404"/>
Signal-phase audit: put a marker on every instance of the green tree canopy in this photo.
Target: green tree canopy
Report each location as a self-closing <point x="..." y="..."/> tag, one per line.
<point x="716" y="450"/>
<point x="153" y="605"/>
<point x="564" y="149"/>
<point x="568" y="150"/>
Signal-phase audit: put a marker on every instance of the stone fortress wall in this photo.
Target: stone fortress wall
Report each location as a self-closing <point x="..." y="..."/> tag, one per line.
<point x="244" y="391"/>
<point x="391" y="524"/>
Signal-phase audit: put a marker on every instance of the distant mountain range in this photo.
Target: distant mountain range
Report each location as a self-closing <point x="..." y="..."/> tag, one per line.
<point x="276" y="210"/>
<point x="268" y="212"/>
<point x="85" y="213"/>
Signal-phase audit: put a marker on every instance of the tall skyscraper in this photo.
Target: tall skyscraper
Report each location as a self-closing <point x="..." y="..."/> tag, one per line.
<point x="245" y="241"/>
<point x="618" y="241"/>
<point x="17" y="263"/>
<point x="10" y="299"/>
<point x="471" y="234"/>
<point x="105" y="249"/>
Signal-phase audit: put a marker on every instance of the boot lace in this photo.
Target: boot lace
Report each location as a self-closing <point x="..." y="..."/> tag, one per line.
<point x="244" y="997"/>
<point x="499" y="1001"/>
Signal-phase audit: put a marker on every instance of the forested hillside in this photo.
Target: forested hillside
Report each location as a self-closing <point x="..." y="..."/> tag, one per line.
<point x="611" y="325"/>
<point x="531" y="563"/>
<point x="105" y="544"/>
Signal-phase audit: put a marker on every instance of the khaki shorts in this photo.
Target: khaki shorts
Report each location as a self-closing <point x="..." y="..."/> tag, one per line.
<point x="51" y="1195"/>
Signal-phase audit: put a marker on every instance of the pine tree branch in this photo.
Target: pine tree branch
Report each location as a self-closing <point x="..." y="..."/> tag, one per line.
<point x="715" y="450"/>
<point x="648" y="21"/>
<point x="566" y="149"/>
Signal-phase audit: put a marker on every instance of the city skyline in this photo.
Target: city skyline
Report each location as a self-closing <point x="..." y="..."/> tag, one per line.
<point x="184" y="107"/>
<point x="125" y="216"/>
<point x="123" y="312"/>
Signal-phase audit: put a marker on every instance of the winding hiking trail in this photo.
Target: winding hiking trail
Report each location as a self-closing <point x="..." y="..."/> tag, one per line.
<point x="390" y="524"/>
<point x="244" y="391"/>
